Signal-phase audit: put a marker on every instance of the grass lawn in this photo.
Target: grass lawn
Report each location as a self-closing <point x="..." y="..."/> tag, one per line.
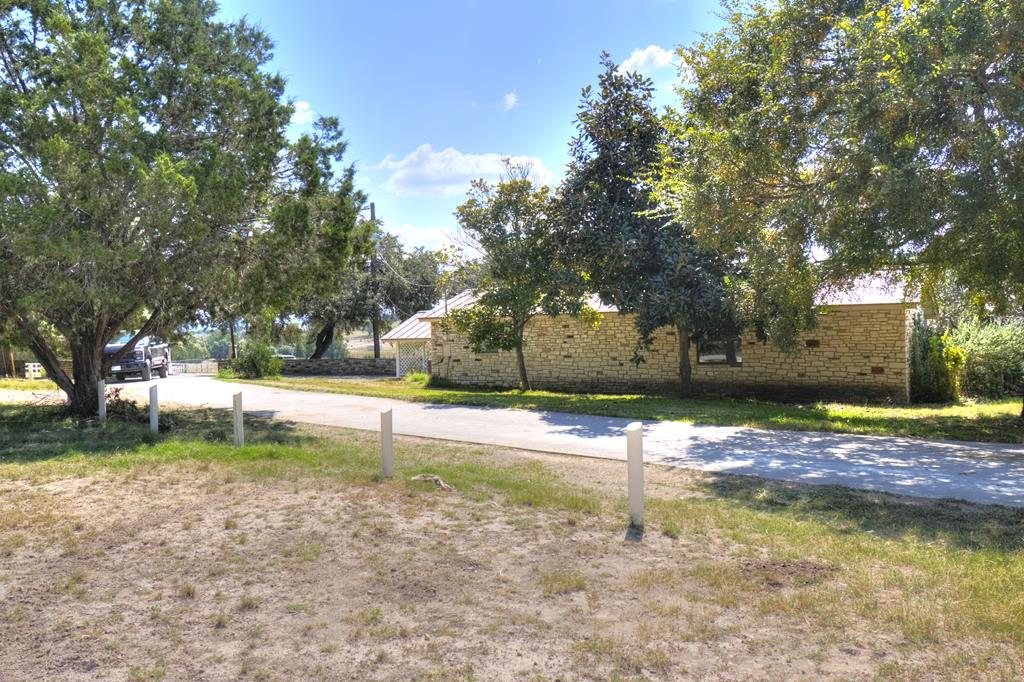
<point x="128" y="556"/>
<point x="27" y="385"/>
<point x="995" y="421"/>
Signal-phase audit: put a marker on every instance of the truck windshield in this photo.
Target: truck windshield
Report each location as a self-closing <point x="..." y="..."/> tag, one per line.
<point x="124" y="338"/>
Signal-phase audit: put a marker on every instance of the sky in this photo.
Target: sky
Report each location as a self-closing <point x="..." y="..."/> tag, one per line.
<point x="433" y="94"/>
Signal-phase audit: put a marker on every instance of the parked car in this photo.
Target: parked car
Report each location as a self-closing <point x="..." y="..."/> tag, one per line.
<point x="149" y="355"/>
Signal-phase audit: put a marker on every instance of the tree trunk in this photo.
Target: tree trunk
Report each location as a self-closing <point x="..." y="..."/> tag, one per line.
<point x="234" y="350"/>
<point x="37" y="344"/>
<point x="524" y="380"/>
<point x="86" y="372"/>
<point x="324" y="339"/>
<point x="375" y="324"/>
<point x="685" y="370"/>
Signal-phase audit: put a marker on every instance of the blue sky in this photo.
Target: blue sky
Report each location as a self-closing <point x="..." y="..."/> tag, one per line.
<point x="434" y="93"/>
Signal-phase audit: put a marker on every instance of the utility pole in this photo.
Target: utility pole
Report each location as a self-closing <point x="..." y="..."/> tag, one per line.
<point x="375" y="285"/>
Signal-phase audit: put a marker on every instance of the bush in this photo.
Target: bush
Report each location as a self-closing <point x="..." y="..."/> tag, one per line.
<point x="935" y="365"/>
<point x="257" y="361"/>
<point x="995" y="358"/>
<point x="417" y="378"/>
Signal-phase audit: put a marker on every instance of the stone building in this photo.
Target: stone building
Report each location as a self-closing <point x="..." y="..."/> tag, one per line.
<point x="859" y="349"/>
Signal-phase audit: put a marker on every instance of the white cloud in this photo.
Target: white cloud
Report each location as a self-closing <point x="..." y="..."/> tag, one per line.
<point x="303" y="114"/>
<point x="429" y="237"/>
<point x="510" y="100"/>
<point x="448" y="172"/>
<point x="648" y="59"/>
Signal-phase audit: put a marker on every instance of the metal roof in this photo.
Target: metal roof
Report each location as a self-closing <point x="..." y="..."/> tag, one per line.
<point x="413" y="329"/>
<point x="870" y="290"/>
<point x="460" y="300"/>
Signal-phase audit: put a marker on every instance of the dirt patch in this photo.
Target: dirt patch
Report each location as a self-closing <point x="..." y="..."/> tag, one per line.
<point x="190" y="572"/>
<point x="780" y="574"/>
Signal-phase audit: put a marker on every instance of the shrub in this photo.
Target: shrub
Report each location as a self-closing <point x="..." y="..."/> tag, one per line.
<point x="257" y="361"/>
<point x="995" y="358"/>
<point x="417" y="378"/>
<point x="935" y="365"/>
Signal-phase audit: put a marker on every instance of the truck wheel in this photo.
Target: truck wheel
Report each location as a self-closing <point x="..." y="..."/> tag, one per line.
<point x="119" y="377"/>
<point x="162" y="371"/>
<point x="147" y="372"/>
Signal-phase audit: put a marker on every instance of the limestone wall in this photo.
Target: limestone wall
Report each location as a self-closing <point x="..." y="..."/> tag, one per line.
<point x="340" y="367"/>
<point x="855" y="351"/>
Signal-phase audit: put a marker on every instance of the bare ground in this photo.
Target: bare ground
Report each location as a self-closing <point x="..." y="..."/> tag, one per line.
<point x="189" y="572"/>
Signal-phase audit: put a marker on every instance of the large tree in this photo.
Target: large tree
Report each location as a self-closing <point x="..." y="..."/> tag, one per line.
<point x="511" y="226"/>
<point x="879" y="134"/>
<point x="138" y="141"/>
<point x="385" y="283"/>
<point x="313" y="240"/>
<point x="612" y="228"/>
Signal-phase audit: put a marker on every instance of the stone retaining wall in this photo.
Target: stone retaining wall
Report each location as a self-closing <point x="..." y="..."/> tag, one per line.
<point x="857" y="351"/>
<point x="340" y="367"/>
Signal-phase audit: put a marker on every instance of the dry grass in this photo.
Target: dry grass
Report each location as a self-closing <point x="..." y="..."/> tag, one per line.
<point x="123" y="559"/>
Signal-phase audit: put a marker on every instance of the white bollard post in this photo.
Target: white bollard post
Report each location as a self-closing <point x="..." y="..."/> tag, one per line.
<point x="387" y="445"/>
<point x="101" y="399"/>
<point x="239" y="435"/>
<point x="635" y="473"/>
<point x="154" y="410"/>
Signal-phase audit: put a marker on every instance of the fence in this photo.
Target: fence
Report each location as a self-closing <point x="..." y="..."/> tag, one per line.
<point x="340" y="367"/>
<point x="194" y="367"/>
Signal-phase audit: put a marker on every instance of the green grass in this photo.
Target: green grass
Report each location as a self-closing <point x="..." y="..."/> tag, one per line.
<point x="929" y="570"/>
<point x="27" y="385"/>
<point x="40" y="442"/>
<point x="996" y="421"/>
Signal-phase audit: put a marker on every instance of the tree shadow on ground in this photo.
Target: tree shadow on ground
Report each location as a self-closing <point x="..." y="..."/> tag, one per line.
<point x="925" y="421"/>
<point x="957" y="524"/>
<point x="32" y="433"/>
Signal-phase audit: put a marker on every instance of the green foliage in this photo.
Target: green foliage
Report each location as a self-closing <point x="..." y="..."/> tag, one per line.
<point x="885" y="134"/>
<point x="523" y="275"/>
<point x="316" y="233"/>
<point x="386" y="281"/>
<point x="611" y="228"/>
<point x="191" y="346"/>
<point x="485" y="328"/>
<point x="417" y="378"/>
<point x="995" y="358"/>
<point x="138" y="144"/>
<point x="935" y="365"/>
<point x="257" y="361"/>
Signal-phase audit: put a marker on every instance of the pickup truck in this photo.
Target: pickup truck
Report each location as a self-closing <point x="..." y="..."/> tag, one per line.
<point x="149" y="355"/>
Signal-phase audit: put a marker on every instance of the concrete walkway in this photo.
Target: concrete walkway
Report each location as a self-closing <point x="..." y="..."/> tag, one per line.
<point x="978" y="472"/>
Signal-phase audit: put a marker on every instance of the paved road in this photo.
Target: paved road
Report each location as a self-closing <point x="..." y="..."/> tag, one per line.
<point x="979" y="472"/>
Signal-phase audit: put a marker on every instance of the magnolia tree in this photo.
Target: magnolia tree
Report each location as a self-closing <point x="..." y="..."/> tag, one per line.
<point x="612" y="229"/>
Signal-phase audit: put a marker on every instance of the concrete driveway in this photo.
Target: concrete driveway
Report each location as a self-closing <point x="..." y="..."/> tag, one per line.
<point x="978" y="472"/>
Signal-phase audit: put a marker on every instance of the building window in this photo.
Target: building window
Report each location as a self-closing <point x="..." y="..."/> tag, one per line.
<point x="720" y="352"/>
